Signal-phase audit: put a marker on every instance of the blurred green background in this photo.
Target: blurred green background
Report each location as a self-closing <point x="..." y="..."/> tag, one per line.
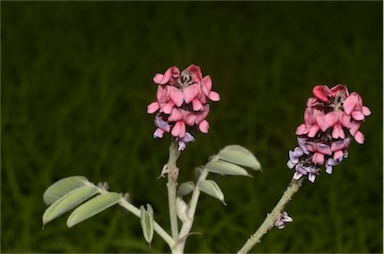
<point x="76" y="80"/>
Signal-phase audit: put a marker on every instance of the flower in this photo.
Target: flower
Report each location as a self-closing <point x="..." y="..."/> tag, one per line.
<point x="331" y="120"/>
<point x="182" y="103"/>
<point x="282" y="219"/>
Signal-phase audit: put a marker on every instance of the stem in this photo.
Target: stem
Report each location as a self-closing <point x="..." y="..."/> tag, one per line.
<point x="158" y="229"/>
<point x="269" y="222"/>
<point x="186" y="228"/>
<point x="171" y="185"/>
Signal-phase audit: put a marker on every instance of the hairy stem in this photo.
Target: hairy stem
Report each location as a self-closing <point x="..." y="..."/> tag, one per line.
<point x="186" y="228"/>
<point x="269" y="222"/>
<point x="171" y="185"/>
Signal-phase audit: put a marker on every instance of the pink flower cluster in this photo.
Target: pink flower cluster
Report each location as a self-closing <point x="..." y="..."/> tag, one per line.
<point x="182" y="103"/>
<point x="331" y="120"/>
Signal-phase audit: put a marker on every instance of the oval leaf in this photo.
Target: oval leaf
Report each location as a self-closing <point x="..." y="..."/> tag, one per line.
<point x="92" y="207"/>
<point x="63" y="187"/>
<point x="211" y="188"/>
<point x="68" y="202"/>
<point x="185" y="189"/>
<point x="225" y="168"/>
<point x="239" y="155"/>
<point x="146" y="221"/>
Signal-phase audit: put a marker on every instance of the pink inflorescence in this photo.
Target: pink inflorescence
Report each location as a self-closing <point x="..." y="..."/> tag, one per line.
<point x="182" y="103"/>
<point x="331" y="121"/>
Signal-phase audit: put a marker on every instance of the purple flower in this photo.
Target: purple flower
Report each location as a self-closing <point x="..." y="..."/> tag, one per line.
<point x="282" y="219"/>
<point x="302" y="170"/>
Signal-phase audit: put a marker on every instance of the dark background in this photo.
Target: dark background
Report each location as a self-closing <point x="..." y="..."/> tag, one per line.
<point x="76" y="80"/>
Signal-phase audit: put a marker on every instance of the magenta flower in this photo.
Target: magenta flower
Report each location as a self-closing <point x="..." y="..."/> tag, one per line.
<point x="182" y="103"/>
<point x="332" y="118"/>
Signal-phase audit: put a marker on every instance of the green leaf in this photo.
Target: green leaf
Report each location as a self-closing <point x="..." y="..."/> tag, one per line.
<point x="68" y="202"/>
<point x="211" y="188"/>
<point x="239" y="155"/>
<point x="185" y="188"/>
<point x="92" y="207"/>
<point x="63" y="187"/>
<point x="146" y="221"/>
<point x="225" y="168"/>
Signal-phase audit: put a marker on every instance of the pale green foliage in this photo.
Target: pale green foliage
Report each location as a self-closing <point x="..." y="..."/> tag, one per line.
<point x="92" y="207"/>
<point x="185" y="188"/>
<point x="70" y="192"/>
<point x="211" y="188"/>
<point x="69" y="201"/>
<point x="225" y="168"/>
<point x="239" y="155"/>
<point x="63" y="187"/>
<point x="146" y="221"/>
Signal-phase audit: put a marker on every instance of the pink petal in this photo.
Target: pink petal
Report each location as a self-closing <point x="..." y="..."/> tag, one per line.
<point x="176" y="129"/>
<point x="175" y="72"/>
<point x="190" y="93"/>
<point x="158" y="133"/>
<point x="153" y="107"/>
<point x="318" y="158"/>
<point x="182" y="130"/>
<point x="204" y="126"/>
<point x="163" y="79"/>
<point x="323" y="122"/>
<point x="176" y="96"/>
<point x="202" y="115"/>
<point x="313" y="130"/>
<point x="196" y="72"/>
<point x="357" y="115"/>
<point x="349" y="104"/>
<point x="321" y="92"/>
<point x="161" y="94"/>
<point x="359" y="137"/>
<point x="366" y="111"/>
<point x="338" y="154"/>
<point x="354" y="127"/>
<point x="214" y="96"/>
<point x="312" y="102"/>
<point x="167" y="108"/>
<point x="207" y="85"/>
<point x="331" y="118"/>
<point x="302" y="129"/>
<point x="175" y="115"/>
<point x="308" y="116"/>
<point x="340" y="88"/>
<point x="190" y="119"/>
<point x="196" y="104"/>
<point x="345" y="119"/>
<point x="338" y="132"/>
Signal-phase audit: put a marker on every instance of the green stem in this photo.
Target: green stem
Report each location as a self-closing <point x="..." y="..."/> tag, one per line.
<point x="269" y="222"/>
<point x="171" y="185"/>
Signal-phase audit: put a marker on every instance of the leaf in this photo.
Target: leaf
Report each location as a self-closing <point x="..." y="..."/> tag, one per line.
<point x="182" y="209"/>
<point x="67" y="202"/>
<point x="92" y="207"/>
<point x="146" y="221"/>
<point x="239" y="155"/>
<point x="185" y="188"/>
<point x="225" y="168"/>
<point x="211" y="188"/>
<point x="63" y="187"/>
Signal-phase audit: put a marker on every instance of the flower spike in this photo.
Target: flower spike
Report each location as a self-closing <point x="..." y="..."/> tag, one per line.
<point x="182" y="103"/>
<point x="331" y="120"/>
